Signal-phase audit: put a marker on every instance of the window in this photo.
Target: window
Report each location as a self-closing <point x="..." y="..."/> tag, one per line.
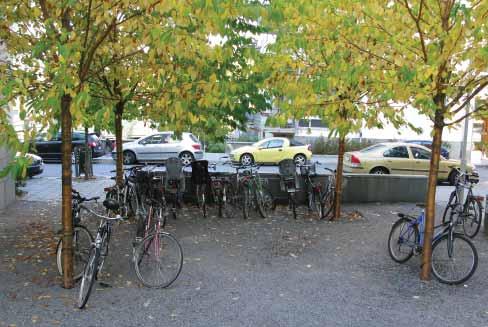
<point x="419" y="153"/>
<point x="396" y="152"/>
<point x="372" y="148"/>
<point x="275" y="144"/>
<point x="78" y="137"/>
<point x="295" y="143"/>
<point x="303" y="123"/>
<point x="317" y="123"/>
<point x="155" y="139"/>
<point x="263" y="145"/>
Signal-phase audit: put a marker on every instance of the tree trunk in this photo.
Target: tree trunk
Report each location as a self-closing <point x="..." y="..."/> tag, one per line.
<point x="66" y="192"/>
<point x="86" y="148"/>
<point x="339" y="170"/>
<point x="430" y="200"/>
<point x="119" y="109"/>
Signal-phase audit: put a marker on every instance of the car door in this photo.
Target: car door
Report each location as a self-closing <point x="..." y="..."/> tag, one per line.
<point x="273" y="152"/>
<point x="260" y="154"/>
<point x="149" y="148"/>
<point x="171" y="146"/>
<point x="53" y="148"/>
<point x="397" y="160"/>
<point x="421" y="160"/>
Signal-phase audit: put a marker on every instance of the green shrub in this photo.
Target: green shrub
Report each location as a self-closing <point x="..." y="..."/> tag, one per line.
<point x="218" y="147"/>
<point x="331" y="146"/>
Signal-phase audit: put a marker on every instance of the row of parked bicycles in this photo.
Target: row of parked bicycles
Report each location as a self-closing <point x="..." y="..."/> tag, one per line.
<point x="454" y="256"/>
<point x="152" y="193"/>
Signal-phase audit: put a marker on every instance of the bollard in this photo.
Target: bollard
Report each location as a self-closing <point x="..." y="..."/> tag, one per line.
<point x="485" y="221"/>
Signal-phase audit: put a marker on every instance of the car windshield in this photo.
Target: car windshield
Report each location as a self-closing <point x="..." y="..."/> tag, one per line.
<point x="373" y="148"/>
<point x="259" y="143"/>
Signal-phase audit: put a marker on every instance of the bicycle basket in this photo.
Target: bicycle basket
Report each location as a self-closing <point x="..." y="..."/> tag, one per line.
<point x="288" y="168"/>
<point x="199" y="172"/>
<point x="174" y="168"/>
<point x="308" y="170"/>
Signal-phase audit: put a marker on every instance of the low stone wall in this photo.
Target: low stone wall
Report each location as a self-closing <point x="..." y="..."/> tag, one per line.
<point x="7" y="185"/>
<point x="357" y="188"/>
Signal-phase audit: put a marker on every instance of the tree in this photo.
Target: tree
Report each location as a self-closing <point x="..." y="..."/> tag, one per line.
<point x="437" y="55"/>
<point x="53" y="45"/>
<point x="316" y="73"/>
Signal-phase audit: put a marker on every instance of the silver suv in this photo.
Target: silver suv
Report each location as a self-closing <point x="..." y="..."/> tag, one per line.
<point x="161" y="146"/>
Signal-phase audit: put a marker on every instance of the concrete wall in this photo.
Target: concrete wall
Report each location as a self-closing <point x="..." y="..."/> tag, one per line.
<point x="7" y="186"/>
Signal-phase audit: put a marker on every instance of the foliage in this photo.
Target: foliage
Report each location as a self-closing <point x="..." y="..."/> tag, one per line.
<point x="216" y="147"/>
<point x="323" y="145"/>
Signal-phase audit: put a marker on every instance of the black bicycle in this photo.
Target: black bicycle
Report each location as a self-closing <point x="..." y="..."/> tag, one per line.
<point x="98" y="251"/>
<point x="82" y="238"/>
<point x="470" y="211"/>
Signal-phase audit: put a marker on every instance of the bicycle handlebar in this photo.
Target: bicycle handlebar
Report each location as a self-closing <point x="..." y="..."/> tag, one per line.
<point x="117" y="217"/>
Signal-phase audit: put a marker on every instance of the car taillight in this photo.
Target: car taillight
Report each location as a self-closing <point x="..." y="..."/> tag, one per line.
<point x="196" y="146"/>
<point x="309" y="147"/>
<point x="92" y="144"/>
<point x="355" y="160"/>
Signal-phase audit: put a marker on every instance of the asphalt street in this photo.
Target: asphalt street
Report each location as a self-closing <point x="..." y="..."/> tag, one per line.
<point x="105" y="168"/>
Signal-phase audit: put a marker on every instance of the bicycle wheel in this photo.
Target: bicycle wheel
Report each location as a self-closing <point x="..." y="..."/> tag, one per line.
<point x="82" y="242"/>
<point x="402" y="240"/>
<point x="293" y="205"/>
<point x="453" y="262"/>
<point x="133" y="202"/>
<point x="158" y="260"/>
<point x="246" y="202"/>
<point x="201" y="199"/>
<point x="89" y="276"/>
<point x="315" y="203"/>
<point x="327" y="203"/>
<point x="472" y="218"/>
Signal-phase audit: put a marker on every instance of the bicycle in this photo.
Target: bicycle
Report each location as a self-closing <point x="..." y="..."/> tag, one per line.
<point x="98" y="251"/>
<point x="222" y="191"/>
<point x="157" y="257"/>
<point x="329" y="195"/>
<point x="448" y="247"/>
<point x="125" y="194"/>
<point x="254" y="194"/>
<point x="470" y="211"/>
<point x="82" y="238"/>
<point x="200" y="179"/>
<point x="319" y="197"/>
<point x="289" y="183"/>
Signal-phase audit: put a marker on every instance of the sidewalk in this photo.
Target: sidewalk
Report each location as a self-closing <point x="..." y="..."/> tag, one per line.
<point x="256" y="272"/>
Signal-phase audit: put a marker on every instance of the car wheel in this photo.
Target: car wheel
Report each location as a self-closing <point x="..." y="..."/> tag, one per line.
<point x="247" y="159"/>
<point x="300" y="160"/>
<point x="186" y="158"/>
<point x="453" y="176"/>
<point x="379" y="171"/>
<point x="129" y="158"/>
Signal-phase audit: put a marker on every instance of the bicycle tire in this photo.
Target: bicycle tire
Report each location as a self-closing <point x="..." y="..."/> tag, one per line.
<point x="148" y="249"/>
<point x="201" y="199"/>
<point x="393" y="240"/>
<point x="133" y="202"/>
<point x="228" y="200"/>
<point x="471" y="226"/>
<point x="260" y="203"/>
<point x="327" y="203"/>
<point x="78" y="249"/>
<point x="441" y="244"/>
<point x="89" y="276"/>
<point x="246" y="203"/>
<point x="293" y="206"/>
<point x="219" y="198"/>
<point x="315" y="203"/>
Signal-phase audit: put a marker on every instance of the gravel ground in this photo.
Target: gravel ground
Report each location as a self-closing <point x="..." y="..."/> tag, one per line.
<point x="273" y="272"/>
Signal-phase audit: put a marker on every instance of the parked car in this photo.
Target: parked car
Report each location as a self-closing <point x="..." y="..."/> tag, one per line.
<point x="50" y="149"/>
<point x="400" y="158"/>
<point x="35" y="167"/>
<point x="428" y="144"/>
<point x="161" y="146"/>
<point x="272" y="151"/>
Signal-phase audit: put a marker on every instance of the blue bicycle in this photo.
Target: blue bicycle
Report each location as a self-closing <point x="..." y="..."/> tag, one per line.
<point x="454" y="257"/>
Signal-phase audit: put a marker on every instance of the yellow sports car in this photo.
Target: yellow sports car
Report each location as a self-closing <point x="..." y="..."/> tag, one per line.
<point x="272" y="151"/>
<point x="399" y="158"/>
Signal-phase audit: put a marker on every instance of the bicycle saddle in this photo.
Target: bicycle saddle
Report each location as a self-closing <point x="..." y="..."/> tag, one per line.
<point x="111" y="204"/>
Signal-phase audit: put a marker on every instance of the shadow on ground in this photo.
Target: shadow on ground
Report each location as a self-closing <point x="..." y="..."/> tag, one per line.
<point x="272" y="272"/>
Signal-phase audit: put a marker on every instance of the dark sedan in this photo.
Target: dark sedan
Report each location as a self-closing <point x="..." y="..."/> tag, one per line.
<point x="50" y="149"/>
